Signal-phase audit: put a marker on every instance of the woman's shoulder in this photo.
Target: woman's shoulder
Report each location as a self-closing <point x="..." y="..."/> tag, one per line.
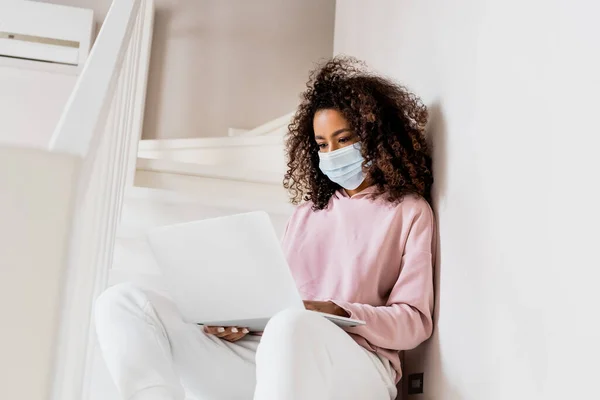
<point x="415" y="201"/>
<point x="301" y="210"/>
<point x="415" y="206"/>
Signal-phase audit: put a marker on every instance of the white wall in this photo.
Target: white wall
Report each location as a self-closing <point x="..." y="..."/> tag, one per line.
<point x="35" y="209"/>
<point x="222" y="64"/>
<point x="33" y="93"/>
<point x="31" y="101"/>
<point x="512" y="89"/>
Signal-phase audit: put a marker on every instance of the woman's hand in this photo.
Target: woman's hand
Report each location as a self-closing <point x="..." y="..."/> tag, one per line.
<point x="233" y="334"/>
<point x="326" y="307"/>
<point x="230" y="334"/>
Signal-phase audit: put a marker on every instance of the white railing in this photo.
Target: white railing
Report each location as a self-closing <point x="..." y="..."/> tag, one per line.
<point x="59" y="210"/>
<point x="276" y="127"/>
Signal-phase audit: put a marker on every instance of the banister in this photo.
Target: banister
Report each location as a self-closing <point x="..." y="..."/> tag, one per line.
<point x="87" y="108"/>
<point x="101" y="126"/>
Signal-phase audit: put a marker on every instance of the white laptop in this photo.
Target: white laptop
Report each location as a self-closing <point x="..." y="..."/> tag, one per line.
<point x="228" y="271"/>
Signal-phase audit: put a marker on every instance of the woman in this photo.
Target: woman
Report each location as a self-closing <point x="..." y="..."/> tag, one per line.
<point x="360" y="244"/>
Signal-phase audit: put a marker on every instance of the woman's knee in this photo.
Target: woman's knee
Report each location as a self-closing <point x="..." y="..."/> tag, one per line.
<point x="123" y="296"/>
<point x="291" y="318"/>
<point x="292" y="326"/>
<point x="288" y="337"/>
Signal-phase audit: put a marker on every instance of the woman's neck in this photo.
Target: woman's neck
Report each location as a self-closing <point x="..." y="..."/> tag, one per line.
<point x="359" y="189"/>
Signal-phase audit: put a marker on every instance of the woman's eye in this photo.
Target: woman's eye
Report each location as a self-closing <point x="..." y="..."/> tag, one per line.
<point x="343" y="140"/>
<point x="322" y="145"/>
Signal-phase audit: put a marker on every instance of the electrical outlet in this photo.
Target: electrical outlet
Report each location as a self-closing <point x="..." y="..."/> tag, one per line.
<point x="415" y="383"/>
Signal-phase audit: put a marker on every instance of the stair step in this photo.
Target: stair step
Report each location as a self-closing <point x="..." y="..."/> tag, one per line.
<point x="265" y="153"/>
<point x="225" y="172"/>
<point x="145" y="208"/>
<point x="219" y="192"/>
<point x="210" y="142"/>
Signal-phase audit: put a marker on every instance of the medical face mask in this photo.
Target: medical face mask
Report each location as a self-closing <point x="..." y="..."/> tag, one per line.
<point x="344" y="166"/>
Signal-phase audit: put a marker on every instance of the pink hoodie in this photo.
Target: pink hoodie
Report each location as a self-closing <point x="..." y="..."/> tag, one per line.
<point x="372" y="258"/>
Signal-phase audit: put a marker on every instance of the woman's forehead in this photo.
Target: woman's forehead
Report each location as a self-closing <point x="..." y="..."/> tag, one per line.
<point x="327" y="122"/>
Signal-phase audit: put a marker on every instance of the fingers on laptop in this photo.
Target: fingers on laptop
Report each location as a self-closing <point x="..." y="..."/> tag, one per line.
<point x="231" y="334"/>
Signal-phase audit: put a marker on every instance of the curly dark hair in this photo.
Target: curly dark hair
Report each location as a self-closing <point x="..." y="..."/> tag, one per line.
<point x="388" y="119"/>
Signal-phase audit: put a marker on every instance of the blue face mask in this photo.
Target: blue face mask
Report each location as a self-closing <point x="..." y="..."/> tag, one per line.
<point x="344" y="166"/>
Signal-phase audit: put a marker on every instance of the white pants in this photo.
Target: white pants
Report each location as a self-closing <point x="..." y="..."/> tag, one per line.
<point x="152" y="354"/>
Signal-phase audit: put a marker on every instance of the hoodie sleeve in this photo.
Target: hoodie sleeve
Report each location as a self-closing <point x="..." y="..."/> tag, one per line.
<point x="406" y="320"/>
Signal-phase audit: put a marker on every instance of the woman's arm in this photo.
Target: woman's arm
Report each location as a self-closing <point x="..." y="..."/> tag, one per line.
<point x="406" y="320"/>
<point x="327" y="307"/>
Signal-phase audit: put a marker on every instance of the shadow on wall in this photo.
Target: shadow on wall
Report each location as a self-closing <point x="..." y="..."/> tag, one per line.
<point x="427" y="358"/>
<point x="158" y="55"/>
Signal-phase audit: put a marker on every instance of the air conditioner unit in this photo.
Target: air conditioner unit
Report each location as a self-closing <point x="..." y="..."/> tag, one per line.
<point x="45" y="32"/>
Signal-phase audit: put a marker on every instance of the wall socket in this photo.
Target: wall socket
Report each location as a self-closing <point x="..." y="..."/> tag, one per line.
<point x="415" y="383"/>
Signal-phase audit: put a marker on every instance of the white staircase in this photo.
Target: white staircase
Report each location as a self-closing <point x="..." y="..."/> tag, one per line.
<point x="180" y="180"/>
<point x="75" y="209"/>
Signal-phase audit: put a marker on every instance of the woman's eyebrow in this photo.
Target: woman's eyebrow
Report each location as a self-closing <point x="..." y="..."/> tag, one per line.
<point x="334" y="134"/>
